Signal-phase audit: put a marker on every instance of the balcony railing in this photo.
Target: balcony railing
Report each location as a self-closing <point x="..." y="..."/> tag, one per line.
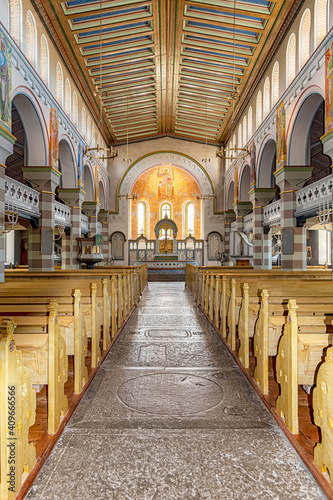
<point x="84" y="223"/>
<point x="248" y="223"/>
<point x="21" y="198"/>
<point x="310" y="198"/>
<point x="62" y="214"/>
<point x="272" y="213"/>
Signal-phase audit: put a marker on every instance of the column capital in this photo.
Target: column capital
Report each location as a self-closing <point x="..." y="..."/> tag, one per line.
<point x="229" y="216"/>
<point x="103" y="216"/>
<point x="73" y="196"/>
<point x="242" y="208"/>
<point x="91" y="208"/>
<point x="260" y="196"/>
<point x="45" y="178"/>
<point x="289" y="177"/>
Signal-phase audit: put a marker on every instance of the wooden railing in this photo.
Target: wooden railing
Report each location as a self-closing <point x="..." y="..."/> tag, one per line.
<point x="287" y="316"/>
<point x="47" y="317"/>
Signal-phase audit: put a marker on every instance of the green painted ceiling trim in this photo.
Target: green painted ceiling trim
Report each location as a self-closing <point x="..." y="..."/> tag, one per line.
<point x="240" y="23"/>
<point x="218" y="59"/>
<point x="206" y="32"/>
<point x="129" y="85"/>
<point x="214" y="70"/>
<point x="140" y="55"/>
<point x="252" y="8"/>
<point x="96" y="6"/>
<point x="139" y="75"/>
<point x="115" y="48"/>
<point x="109" y="21"/>
<point x="107" y="36"/>
<point x="219" y="47"/>
<point x="125" y="68"/>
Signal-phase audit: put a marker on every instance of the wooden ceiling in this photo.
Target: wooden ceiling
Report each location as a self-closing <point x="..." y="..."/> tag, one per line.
<point x="165" y="67"/>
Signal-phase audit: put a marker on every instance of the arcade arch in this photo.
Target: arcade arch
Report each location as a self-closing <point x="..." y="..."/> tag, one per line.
<point x="266" y="165"/>
<point x="66" y="165"/>
<point x="244" y="184"/>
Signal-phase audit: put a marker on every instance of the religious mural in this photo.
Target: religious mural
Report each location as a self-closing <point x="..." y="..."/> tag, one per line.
<point x="6" y="83"/>
<point x="329" y="88"/>
<point x="54" y="139"/>
<point x="162" y="184"/>
<point x="80" y="166"/>
<point x="165" y="185"/>
<point x="236" y="187"/>
<point x="96" y="183"/>
<point x="253" y="173"/>
<point x="281" y="145"/>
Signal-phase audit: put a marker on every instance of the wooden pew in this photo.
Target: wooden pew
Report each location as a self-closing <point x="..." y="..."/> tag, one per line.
<point x="323" y="414"/>
<point x="17" y="414"/>
<point x="299" y="354"/>
<point x="44" y="353"/>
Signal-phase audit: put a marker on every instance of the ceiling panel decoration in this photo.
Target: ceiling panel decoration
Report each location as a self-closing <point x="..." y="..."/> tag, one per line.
<point x="156" y="67"/>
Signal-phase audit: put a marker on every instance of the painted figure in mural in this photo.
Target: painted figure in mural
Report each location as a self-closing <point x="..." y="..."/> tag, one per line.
<point x="80" y="172"/>
<point x="165" y="186"/>
<point x="281" y="147"/>
<point x="329" y="88"/>
<point x="253" y="179"/>
<point x="236" y="189"/>
<point x="54" y="138"/>
<point x="4" y="82"/>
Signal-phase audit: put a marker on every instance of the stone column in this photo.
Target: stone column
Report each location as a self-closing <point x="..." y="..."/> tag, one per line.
<point x="41" y="239"/>
<point x="259" y="197"/>
<point x="6" y="149"/>
<point x="74" y="197"/>
<point x="293" y="253"/>
<point x="229" y="217"/>
<point x="103" y="218"/>
<point x="91" y="209"/>
<point x="241" y="208"/>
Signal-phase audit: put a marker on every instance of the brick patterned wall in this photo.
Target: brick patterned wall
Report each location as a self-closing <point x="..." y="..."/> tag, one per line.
<point x="185" y="189"/>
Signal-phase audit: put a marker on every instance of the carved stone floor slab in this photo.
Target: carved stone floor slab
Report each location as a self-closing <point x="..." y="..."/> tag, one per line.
<point x="170" y="416"/>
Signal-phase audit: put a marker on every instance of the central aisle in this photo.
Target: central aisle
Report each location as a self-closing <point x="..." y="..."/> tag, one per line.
<point x="170" y="416"/>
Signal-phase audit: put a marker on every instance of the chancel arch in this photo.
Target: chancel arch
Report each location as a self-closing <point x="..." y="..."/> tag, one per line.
<point x="166" y="187"/>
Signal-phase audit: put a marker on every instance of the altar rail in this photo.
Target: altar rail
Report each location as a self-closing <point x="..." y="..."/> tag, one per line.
<point x="286" y="316"/>
<point x="53" y="315"/>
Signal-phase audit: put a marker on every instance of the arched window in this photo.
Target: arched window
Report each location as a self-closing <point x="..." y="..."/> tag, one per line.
<point x="88" y="130"/>
<point x="75" y="109"/>
<point x="291" y="59"/>
<point x="240" y="136"/>
<point x="304" y="37"/>
<point x="67" y="97"/>
<point x="168" y="234"/>
<point x="59" y="84"/>
<point x="259" y="108"/>
<point x="83" y="122"/>
<point x="189" y="219"/>
<point x="165" y="211"/>
<point x="250" y="123"/>
<point x="15" y="20"/>
<point x="142" y="218"/>
<point x="44" y="60"/>
<point x="267" y="97"/>
<point x="244" y="130"/>
<point x="320" y="20"/>
<point x="31" y="38"/>
<point x="276" y="83"/>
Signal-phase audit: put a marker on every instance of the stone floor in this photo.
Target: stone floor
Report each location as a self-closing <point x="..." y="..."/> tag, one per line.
<point x="170" y="416"/>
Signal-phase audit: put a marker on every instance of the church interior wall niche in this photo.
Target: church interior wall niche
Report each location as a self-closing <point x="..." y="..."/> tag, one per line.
<point x="166" y="184"/>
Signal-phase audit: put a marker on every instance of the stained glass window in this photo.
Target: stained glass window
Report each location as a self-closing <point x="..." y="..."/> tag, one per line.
<point x="44" y="60"/>
<point x="291" y="59"/>
<point x="59" y="84"/>
<point x="305" y="37"/>
<point x="276" y="83"/>
<point x="259" y="108"/>
<point x="15" y="20"/>
<point x="31" y="38"/>
<point x="321" y="20"/>
<point x="67" y="97"/>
